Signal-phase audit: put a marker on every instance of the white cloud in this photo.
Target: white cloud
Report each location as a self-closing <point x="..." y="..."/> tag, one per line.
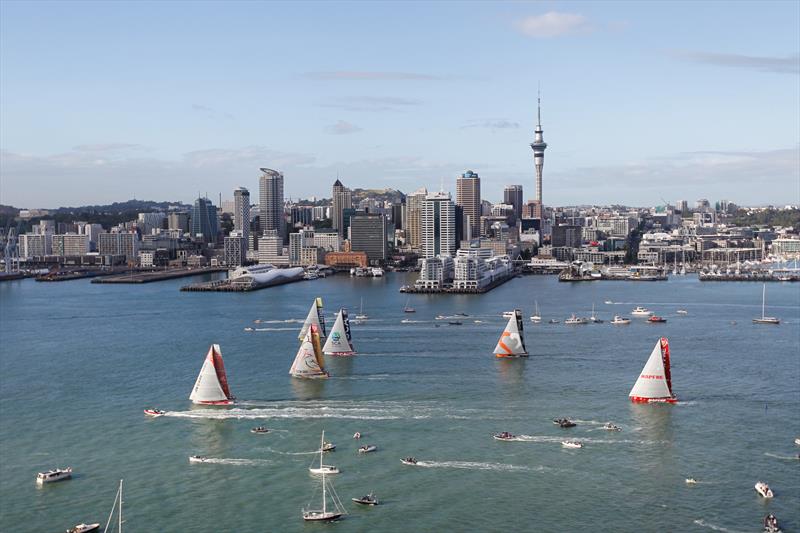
<point x="553" y="24"/>
<point x="342" y="127"/>
<point x="355" y="75"/>
<point x="782" y="65"/>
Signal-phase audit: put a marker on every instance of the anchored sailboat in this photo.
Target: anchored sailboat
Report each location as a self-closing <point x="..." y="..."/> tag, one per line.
<point x="536" y="318"/>
<point x="324" y="514"/>
<point x="339" y="341"/>
<point x="316" y="317"/>
<point x="309" y="362"/>
<point x="211" y="387"/>
<point x="512" y="343"/>
<point x="361" y="315"/>
<point x="655" y="382"/>
<point x="764" y="319"/>
<point x="117" y="500"/>
<point x="323" y="468"/>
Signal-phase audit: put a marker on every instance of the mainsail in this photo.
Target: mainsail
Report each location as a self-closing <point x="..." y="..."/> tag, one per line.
<point x="309" y="362"/>
<point x="655" y="381"/>
<point x="211" y="386"/>
<point x="339" y="341"/>
<point x="512" y="343"/>
<point x="316" y="317"/>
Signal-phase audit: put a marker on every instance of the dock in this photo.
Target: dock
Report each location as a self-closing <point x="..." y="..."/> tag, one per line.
<point x="226" y="285"/>
<point x="158" y="275"/>
<point x="410" y="289"/>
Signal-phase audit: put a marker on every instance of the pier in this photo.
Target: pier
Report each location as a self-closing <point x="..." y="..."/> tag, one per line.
<point x="411" y="289"/>
<point x="157" y="275"/>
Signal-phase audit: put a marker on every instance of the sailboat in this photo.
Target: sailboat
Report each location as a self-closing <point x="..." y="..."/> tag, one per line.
<point x="655" y="381"/>
<point x="683" y="262"/>
<point x="593" y="318"/>
<point x="316" y="317"/>
<point x="339" y="341"/>
<point x="407" y="308"/>
<point x="512" y="343"/>
<point x="536" y="318"/>
<point x="211" y="387"/>
<point x="309" y="361"/>
<point x="117" y="500"/>
<point x="323" y="468"/>
<point x="675" y="264"/>
<point x="765" y="319"/>
<point x="325" y="515"/>
<point x="361" y="315"/>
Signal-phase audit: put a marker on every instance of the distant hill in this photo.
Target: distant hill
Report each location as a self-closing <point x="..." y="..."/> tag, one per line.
<point x="139" y="206"/>
<point x="387" y="195"/>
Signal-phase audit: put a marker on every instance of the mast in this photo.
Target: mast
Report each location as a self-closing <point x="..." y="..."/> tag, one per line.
<point x="763" y="300"/>
<point x="324" y="498"/>
<point x="120" y="506"/>
<point x="321" y="446"/>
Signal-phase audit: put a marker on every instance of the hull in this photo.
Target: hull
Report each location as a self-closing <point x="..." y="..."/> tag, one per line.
<point x="773" y="321"/>
<point x="512" y="356"/>
<point x="638" y="399"/>
<point x="218" y="402"/>
<point x="324" y="470"/>
<point x="319" y="516"/>
<point x="340" y="354"/>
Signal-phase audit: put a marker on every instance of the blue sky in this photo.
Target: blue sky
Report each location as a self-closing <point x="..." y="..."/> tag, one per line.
<point x="104" y="101"/>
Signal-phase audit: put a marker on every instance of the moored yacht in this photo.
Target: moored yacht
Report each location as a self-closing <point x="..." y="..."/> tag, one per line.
<point x="763" y="489"/>
<point x="620" y="321"/>
<point x="323" y="468"/>
<point x="325" y="515"/>
<point x="764" y="319"/>
<point x="641" y="311"/>
<point x="56" y="474"/>
<point x="573" y="320"/>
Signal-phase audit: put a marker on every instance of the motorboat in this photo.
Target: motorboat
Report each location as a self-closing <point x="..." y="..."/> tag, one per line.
<point x="571" y="444"/>
<point x="573" y="320"/>
<point x="461" y="314"/>
<point x="608" y="302"/>
<point x="505" y="435"/>
<point x="367" y="448"/>
<point x="508" y="314"/>
<point x="641" y="311"/>
<point x="691" y="481"/>
<point x="84" y="528"/>
<point x="478" y="321"/>
<point x="564" y="422"/>
<point x="198" y="459"/>
<point x="154" y="412"/>
<point x="455" y="323"/>
<point x="249" y="329"/>
<point x="409" y="461"/>
<point x="682" y="312"/>
<point x="259" y="429"/>
<point x="771" y="524"/>
<point x="328" y="447"/>
<point x="357" y="435"/>
<point x="369" y="499"/>
<point x="763" y="489"/>
<point x="325" y="515"/>
<point x="611" y="427"/>
<point x="620" y="321"/>
<point x="440" y="317"/>
<point x="553" y="321"/>
<point x="407" y="321"/>
<point x="257" y="321"/>
<point x="51" y="476"/>
<point x="656" y="319"/>
<point x="323" y="468"/>
<point x="797" y="441"/>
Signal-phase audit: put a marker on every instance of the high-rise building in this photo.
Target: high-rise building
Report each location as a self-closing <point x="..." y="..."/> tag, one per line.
<point x="119" y="243"/>
<point x="147" y="222"/>
<point x="342" y="199"/>
<point x="538" y="146"/>
<point x="412" y="221"/>
<point x="204" y="220"/>
<point x="270" y="200"/>
<point x="512" y="195"/>
<point x="270" y="249"/>
<point x="468" y="196"/>
<point x="241" y="212"/>
<point x="438" y="225"/>
<point x="567" y="236"/>
<point x="178" y="220"/>
<point x="235" y="249"/>
<point x="34" y="245"/>
<point x="70" y="244"/>
<point x="368" y="234"/>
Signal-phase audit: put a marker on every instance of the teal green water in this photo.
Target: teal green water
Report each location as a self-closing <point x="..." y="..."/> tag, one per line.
<point x="79" y="362"/>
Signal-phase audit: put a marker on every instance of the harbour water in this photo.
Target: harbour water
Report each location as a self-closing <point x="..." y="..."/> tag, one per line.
<point x="79" y="362"/>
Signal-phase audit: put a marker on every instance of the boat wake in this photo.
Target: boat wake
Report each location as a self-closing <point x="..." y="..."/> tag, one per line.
<point x="782" y="457"/>
<point x="589" y="440"/>
<point x="274" y="329"/>
<point x="270" y="450"/>
<point x="236" y="462"/>
<point x="468" y="465"/>
<point x="703" y="523"/>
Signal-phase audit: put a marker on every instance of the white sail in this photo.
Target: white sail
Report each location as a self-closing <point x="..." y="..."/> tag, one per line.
<point x="339" y="341"/>
<point x="654" y="382"/>
<point x="307" y="363"/>
<point x="316" y="317"/>
<point x="212" y="383"/>
<point x="512" y="342"/>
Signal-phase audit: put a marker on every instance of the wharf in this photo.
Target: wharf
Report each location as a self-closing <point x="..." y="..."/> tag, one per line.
<point x="760" y="277"/>
<point x="158" y="275"/>
<point x="226" y="285"/>
<point x="13" y="276"/>
<point x="69" y="275"/>
<point x="410" y="289"/>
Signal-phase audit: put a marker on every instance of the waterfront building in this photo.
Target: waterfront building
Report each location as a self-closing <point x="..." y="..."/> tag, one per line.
<point x="785" y="246"/>
<point x="438" y="225"/>
<point x="368" y="234"/>
<point x="33" y="245"/>
<point x="468" y="196"/>
<point x="346" y="259"/>
<point x="512" y="195"/>
<point x="412" y="220"/>
<point x="270" y="201"/>
<point x="538" y="146"/>
<point x="270" y="249"/>
<point x="297" y="243"/>
<point x="567" y="236"/>
<point x="241" y="212"/>
<point x="435" y="272"/>
<point x="70" y="244"/>
<point x="327" y="241"/>
<point x="119" y="243"/>
<point x="235" y="249"/>
<point x="204" y="220"/>
<point x="342" y="200"/>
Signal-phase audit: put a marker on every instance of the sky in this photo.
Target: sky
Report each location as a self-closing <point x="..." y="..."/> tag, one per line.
<point x="642" y="102"/>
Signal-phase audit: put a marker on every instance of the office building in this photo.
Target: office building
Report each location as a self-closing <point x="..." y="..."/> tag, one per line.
<point x="70" y="244"/>
<point x="512" y="195"/>
<point x="567" y="236"/>
<point x="119" y="243"/>
<point x="235" y="249"/>
<point x="34" y="245"/>
<point x="412" y="221"/>
<point x="270" y="201"/>
<point x="468" y="196"/>
<point x="204" y="220"/>
<point x="270" y="249"/>
<point x="342" y="199"/>
<point x="368" y="234"/>
<point x="241" y="213"/>
<point x="179" y="221"/>
<point x="438" y="225"/>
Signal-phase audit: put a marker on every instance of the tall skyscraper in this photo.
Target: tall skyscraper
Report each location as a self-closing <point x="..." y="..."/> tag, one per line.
<point x="342" y="199"/>
<point x="270" y="200"/>
<point x="438" y="225"/>
<point x="368" y="234"/>
<point x="538" y="145"/>
<point x="468" y="196"/>
<point x="512" y="195"/>
<point x="413" y="217"/>
<point x="204" y="220"/>
<point x="241" y="212"/>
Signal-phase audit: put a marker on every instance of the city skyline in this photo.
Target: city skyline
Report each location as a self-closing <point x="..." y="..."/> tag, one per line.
<point x="710" y="111"/>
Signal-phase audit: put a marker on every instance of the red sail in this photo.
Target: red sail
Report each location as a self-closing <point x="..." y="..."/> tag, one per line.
<point x="219" y="367"/>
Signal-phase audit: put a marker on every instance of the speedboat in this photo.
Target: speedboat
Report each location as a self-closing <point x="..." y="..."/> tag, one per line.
<point x="478" y="321"/>
<point x="571" y="444"/>
<point x="440" y="317"/>
<point x="461" y="314"/>
<point x="154" y="412"/>
<point x="367" y="448"/>
<point x="249" y="329"/>
<point x="620" y="321"/>
<point x="797" y="441"/>
<point x="369" y="499"/>
<point x="455" y="322"/>
<point x="505" y="435"/>
<point x="84" y="528"/>
<point x="611" y="427"/>
<point x="553" y="321"/>
<point x="328" y="447"/>
<point x="259" y="429"/>
<point x="575" y="320"/>
<point x="409" y="461"/>
<point x="641" y="311"/>
<point x="357" y="435"/>
<point x="56" y="474"/>
<point x="691" y="481"/>
<point x="656" y="319"/>
<point x="508" y="314"/>
<point x="682" y="312"/>
<point x="763" y="489"/>
<point x="198" y="459"/>
<point x="771" y="524"/>
<point x="608" y="302"/>
<point x="407" y="321"/>
<point x="564" y="422"/>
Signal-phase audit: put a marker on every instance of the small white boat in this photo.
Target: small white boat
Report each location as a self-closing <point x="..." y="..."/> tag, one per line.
<point x="357" y="435"/>
<point x="508" y="314"/>
<point x="155" y="413"/>
<point x="691" y="481"/>
<point x="505" y="435"/>
<point x="369" y="499"/>
<point x="573" y="320"/>
<point x="198" y="459"/>
<point x="51" y="476"/>
<point x="328" y="447"/>
<point x="407" y="308"/>
<point x="409" y="461"/>
<point x="771" y="524"/>
<point x="620" y="321"/>
<point x="249" y="329"/>
<point x="367" y="448"/>
<point x="324" y="515"/>
<point x="259" y="429"/>
<point x="477" y="321"/>
<point x="608" y="302"/>
<point x="571" y="444"/>
<point x="84" y="528"/>
<point x="323" y="468"/>
<point x="407" y="321"/>
<point x="682" y="312"/>
<point x="611" y="427"/>
<point x="797" y="441"/>
<point x="641" y="311"/>
<point x="440" y="317"/>
<point x="763" y="489"/>
<point x="553" y="321"/>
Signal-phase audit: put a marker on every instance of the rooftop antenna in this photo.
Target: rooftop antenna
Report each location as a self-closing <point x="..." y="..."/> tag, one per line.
<point x="441" y="185"/>
<point x="539" y="103"/>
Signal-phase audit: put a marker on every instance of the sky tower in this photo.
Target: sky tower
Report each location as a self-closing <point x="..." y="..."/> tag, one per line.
<point x="538" y="145"/>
